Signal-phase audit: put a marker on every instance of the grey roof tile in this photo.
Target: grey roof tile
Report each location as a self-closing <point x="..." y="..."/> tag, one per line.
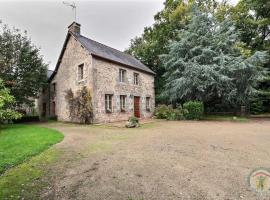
<point x="112" y="54"/>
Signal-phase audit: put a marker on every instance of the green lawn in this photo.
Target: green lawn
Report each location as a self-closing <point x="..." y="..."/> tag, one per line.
<point x="20" y="142"/>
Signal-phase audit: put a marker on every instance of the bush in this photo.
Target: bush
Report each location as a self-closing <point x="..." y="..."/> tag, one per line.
<point x="133" y="119"/>
<point x="132" y="122"/>
<point x="26" y="119"/>
<point x="162" y="111"/>
<point x="167" y="112"/>
<point x="194" y="109"/>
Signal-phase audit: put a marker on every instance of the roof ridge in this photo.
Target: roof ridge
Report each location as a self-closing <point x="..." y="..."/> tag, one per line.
<point x="110" y="47"/>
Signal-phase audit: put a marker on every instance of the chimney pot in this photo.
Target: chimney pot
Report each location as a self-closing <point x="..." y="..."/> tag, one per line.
<point x="75" y="28"/>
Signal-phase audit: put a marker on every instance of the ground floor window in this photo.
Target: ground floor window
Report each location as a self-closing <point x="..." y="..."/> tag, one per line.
<point x="148" y="103"/>
<point x="123" y="103"/>
<point x="108" y="103"/>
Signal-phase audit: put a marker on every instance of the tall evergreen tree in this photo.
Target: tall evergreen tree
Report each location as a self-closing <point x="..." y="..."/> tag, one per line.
<point x="205" y="63"/>
<point x="252" y="19"/>
<point x="154" y="40"/>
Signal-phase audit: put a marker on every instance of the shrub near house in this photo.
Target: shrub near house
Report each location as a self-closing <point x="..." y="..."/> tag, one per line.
<point x="191" y="110"/>
<point x="194" y="109"/>
<point x="169" y="113"/>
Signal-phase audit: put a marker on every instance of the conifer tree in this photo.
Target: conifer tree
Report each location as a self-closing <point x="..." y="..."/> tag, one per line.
<point x="205" y="63"/>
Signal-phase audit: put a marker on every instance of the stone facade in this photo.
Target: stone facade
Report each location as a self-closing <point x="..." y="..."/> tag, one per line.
<point x="101" y="77"/>
<point x="106" y="81"/>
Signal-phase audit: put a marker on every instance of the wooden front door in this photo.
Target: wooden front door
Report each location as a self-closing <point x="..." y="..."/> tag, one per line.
<point x="137" y="107"/>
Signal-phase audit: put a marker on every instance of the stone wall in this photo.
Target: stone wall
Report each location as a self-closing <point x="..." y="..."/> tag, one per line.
<point x="101" y="77"/>
<point x="67" y="78"/>
<point x="106" y="81"/>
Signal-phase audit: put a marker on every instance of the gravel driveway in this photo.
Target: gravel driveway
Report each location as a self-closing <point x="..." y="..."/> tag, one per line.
<point x="161" y="160"/>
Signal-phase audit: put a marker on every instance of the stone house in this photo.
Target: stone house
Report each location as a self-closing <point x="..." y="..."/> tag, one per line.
<point x="120" y="85"/>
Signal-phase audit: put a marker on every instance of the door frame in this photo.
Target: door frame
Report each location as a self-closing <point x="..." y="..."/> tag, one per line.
<point x="139" y="106"/>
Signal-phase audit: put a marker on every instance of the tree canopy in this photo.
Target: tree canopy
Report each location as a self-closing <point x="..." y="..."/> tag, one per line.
<point x="204" y="63"/>
<point x="251" y="22"/>
<point x="22" y="68"/>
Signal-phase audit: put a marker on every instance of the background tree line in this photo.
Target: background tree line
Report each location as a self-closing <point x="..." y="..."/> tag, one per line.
<point x="209" y="51"/>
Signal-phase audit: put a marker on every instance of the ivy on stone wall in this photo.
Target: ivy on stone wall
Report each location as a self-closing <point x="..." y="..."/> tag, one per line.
<point x="80" y="105"/>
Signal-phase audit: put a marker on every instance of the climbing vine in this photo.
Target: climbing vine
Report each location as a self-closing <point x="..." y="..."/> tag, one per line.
<point x="80" y="105"/>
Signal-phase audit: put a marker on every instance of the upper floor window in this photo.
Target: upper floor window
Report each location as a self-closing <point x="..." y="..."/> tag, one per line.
<point x="148" y="103"/>
<point x="136" y="78"/>
<point x="80" y="72"/>
<point x="108" y="103"/>
<point x="123" y="103"/>
<point x="122" y="75"/>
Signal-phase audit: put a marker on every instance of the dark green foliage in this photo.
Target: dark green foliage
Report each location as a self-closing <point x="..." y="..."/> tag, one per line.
<point x="250" y="23"/>
<point x="176" y="114"/>
<point x="132" y="122"/>
<point x="154" y="40"/>
<point x="204" y="63"/>
<point x="26" y="119"/>
<point x="162" y="111"/>
<point x="7" y="112"/>
<point x="195" y="110"/>
<point x="133" y="119"/>
<point x="169" y="113"/>
<point x="252" y="19"/>
<point x="21" y="66"/>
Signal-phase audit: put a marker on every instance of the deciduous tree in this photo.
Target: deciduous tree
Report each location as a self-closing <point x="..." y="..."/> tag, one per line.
<point x="6" y="101"/>
<point x="21" y="66"/>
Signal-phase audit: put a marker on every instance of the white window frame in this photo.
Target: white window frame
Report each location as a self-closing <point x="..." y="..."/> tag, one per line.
<point x="147" y="103"/>
<point x="123" y="100"/>
<point x="108" y="103"/>
<point x="136" y="78"/>
<point x="122" y="75"/>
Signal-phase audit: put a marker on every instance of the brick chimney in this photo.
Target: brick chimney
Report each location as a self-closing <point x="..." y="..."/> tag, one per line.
<point x="75" y="28"/>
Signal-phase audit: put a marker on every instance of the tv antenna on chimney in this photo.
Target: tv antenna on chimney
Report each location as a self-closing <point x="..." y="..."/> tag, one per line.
<point x="73" y="6"/>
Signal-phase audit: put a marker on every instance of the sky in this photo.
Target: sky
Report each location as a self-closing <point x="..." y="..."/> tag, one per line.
<point x="111" y="22"/>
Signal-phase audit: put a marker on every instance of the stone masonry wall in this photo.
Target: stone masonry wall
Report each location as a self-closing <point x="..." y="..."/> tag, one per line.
<point x="101" y="77"/>
<point x="67" y="78"/>
<point x="106" y="81"/>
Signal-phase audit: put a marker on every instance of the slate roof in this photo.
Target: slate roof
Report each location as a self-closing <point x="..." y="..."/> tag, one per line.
<point x="103" y="51"/>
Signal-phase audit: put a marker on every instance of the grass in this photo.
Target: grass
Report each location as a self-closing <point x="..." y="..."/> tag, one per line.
<point x="25" y="181"/>
<point x="224" y="118"/>
<point x="18" y="143"/>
